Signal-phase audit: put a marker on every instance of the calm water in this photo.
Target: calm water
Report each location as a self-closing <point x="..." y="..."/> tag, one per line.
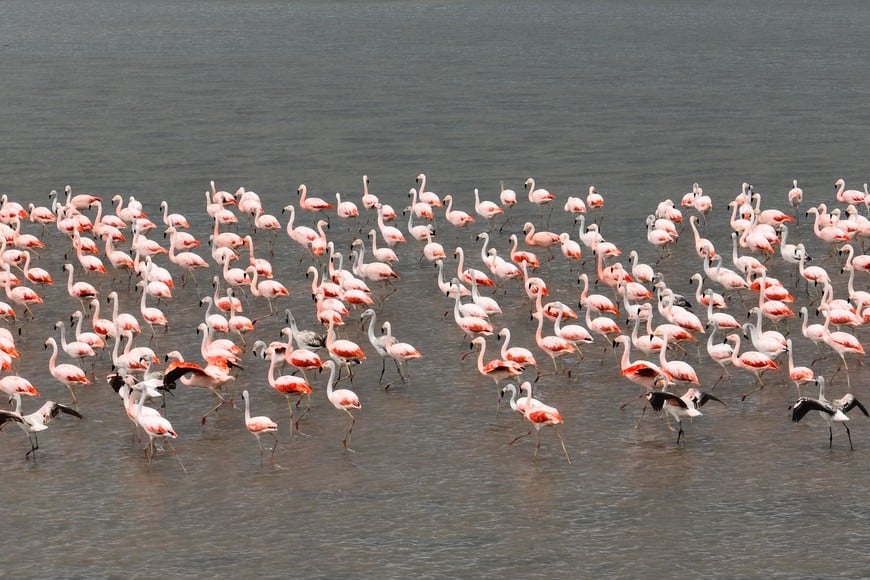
<point x="639" y="98"/>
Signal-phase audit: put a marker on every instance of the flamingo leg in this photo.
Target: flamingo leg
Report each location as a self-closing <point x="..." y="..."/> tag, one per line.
<point x="849" y="434"/>
<point x="755" y="390"/>
<point x="346" y="440"/>
<point x="274" y="447"/>
<point x="292" y="423"/>
<point x="172" y="448"/>
<point x="622" y="405"/>
<point x="34" y="445"/>
<point x="214" y="409"/>
<point x="680" y="434"/>
<point x="515" y="439"/>
<point x="564" y="449"/>
<point x="642" y="411"/>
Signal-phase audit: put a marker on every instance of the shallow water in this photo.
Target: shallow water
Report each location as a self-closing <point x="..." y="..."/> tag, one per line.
<point x="639" y="98"/>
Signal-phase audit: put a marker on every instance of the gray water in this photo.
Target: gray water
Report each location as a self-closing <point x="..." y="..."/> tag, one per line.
<point x="639" y="98"/>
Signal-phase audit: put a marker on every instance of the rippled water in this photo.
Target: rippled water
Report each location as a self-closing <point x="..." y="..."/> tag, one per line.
<point x="639" y="98"/>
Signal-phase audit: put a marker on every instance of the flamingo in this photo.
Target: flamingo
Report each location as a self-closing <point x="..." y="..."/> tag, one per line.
<point x="497" y="369"/>
<point x="751" y="360"/>
<point x="848" y="196"/>
<point x="188" y="261"/>
<point x="259" y="425"/>
<point x="80" y="201"/>
<point x="36" y="275"/>
<point x="427" y="196"/>
<point x="302" y="235"/>
<point x="301" y="358"/>
<point x="343" y="351"/>
<point x="486" y="209"/>
<point x="268" y="289"/>
<point x="541" y="239"/>
<point x="516" y="354"/>
<point x="345" y="209"/>
<point x="520" y="256"/>
<point x="680" y="407"/>
<point x="597" y="302"/>
<point x="311" y="203"/>
<point x="155" y="425"/>
<point x="719" y="352"/>
<point x="11" y="384"/>
<point x="859" y="262"/>
<point x="433" y="251"/>
<point x="400" y="352"/>
<point x="538" y="196"/>
<point x="842" y="343"/>
<point x="21" y="295"/>
<point x="75" y="348"/>
<point x="419" y="208"/>
<point x="68" y="374"/>
<point x="830" y="411"/>
<point x="122" y="321"/>
<point x="92" y="339"/>
<point x="392" y="235"/>
<point x="175" y="220"/>
<point x="676" y="370"/>
<point x="343" y="400"/>
<point x="798" y="375"/>
<point x="37" y="421"/>
<point x="212" y="377"/>
<point x="418" y="232"/>
<point x="382" y="254"/>
<point x="553" y="345"/>
<point x="795" y="195"/>
<point x="640" y="271"/>
<point x="594" y="200"/>
<point x="457" y="218"/>
<point x="374" y="271"/>
<point x="469" y="274"/>
<point x="507" y="197"/>
<point x="541" y="415"/>
<point x="369" y="200"/>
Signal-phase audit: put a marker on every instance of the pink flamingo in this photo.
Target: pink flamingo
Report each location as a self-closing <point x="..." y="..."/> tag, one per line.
<point x="539" y="416"/>
<point x="68" y="374"/>
<point x="259" y="425"/>
<point x="343" y="400"/>
<point x="311" y="203"/>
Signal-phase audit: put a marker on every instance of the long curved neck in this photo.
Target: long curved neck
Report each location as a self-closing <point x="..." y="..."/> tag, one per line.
<point x="483" y="255"/>
<point x="371" y="329"/>
<point x="736" y="350"/>
<point x="625" y="361"/>
<point x="203" y="347"/>
<point x="292" y="212"/>
<point x="461" y="261"/>
<point x="247" y="408"/>
<point x="710" y="340"/>
<point x="79" y="317"/>
<point x="480" y="356"/>
<point x="53" y="359"/>
<point x="272" y="361"/>
<point x="507" y="338"/>
<point x="331" y="380"/>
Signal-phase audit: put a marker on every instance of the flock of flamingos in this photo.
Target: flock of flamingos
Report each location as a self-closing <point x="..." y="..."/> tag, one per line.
<point x="625" y="306"/>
